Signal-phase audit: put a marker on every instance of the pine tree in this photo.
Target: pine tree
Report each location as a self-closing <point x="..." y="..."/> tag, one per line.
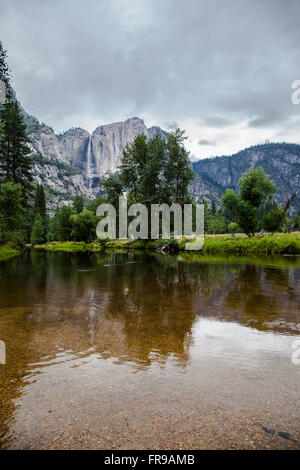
<point x="179" y="172"/>
<point x="4" y="70"/>
<point x="38" y="230"/>
<point x="39" y="206"/>
<point x="15" y="163"/>
<point x="52" y="234"/>
<point x="64" y="223"/>
<point x="78" y="204"/>
<point x="11" y="210"/>
<point x="213" y="207"/>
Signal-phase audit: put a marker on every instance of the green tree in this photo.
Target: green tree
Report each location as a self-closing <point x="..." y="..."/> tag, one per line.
<point x="132" y="171"/>
<point x="84" y="226"/>
<point x="178" y="170"/>
<point x="4" y="70"/>
<point x="78" y="204"/>
<point x="152" y="172"/>
<point x="94" y="203"/>
<point x="233" y="228"/>
<point x="38" y="230"/>
<point x="155" y="171"/>
<point x="64" y="223"/>
<point x="207" y="213"/>
<point x="272" y="220"/>
<point x="11" y="210"/>
<point x="39" y="206"/>
<point x="52" y="234"/>
<point x="213" y="207"/>
<point x="113" y="187"/>
<point x="256" y="192"/>
<point x="216" y="223"/>
<point x="296" y="221"/>
<point x="15" y="162"/>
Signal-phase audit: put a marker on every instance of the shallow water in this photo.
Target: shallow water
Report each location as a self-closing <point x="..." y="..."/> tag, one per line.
<point x="137" y="351"/>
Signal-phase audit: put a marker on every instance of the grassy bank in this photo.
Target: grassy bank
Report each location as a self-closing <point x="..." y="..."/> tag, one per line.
<point x="224" y="245"/>
<point x="8" y="252"/>
<point x="279" y="243"/>
<point x="70" y="246"/>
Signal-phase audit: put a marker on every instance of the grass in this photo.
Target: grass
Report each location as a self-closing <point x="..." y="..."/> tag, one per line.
<point x="279" y="243"/>
<point x="223" y="245"/>
<point x="7" y="252"/>
<point x="275" y="261"/>
<point x="70" y="246"/>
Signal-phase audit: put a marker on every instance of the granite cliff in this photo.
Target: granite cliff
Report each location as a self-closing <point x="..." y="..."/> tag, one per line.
<point x="74" y="162"/>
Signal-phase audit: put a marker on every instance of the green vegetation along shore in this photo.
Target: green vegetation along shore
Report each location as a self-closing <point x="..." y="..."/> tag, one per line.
<point x="277" y="244"/>
<point x="7" y="252"/>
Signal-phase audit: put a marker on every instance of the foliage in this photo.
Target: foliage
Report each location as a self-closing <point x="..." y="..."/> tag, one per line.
<point x="60" y="227"/>
<point x="39" y="206"/>
<point x="156" y="171"/>
<point x="38" y="230"/>
<point x="52" y="234"/>
<point x="216" y="222"/>
<point x="93" y="204"/>
<point x="113" y="187"/>
<point x="272" y="221"/>
<point x="4" y="70"/>
<point x="15" y="162"/>
<point x="7" y="252"/>
<point x="245" y="208"/>
<point x="39" y="209"/>
<point x="233" y="227"/>
<point x="71" y="246"/>
<point x="11" y="210"/>
<point x="152" y="172"/>
<point x="83" y="226"/>
<point x="296" y="220"/>
<point x="279" y="243"/>
<point x="78" y="204"/>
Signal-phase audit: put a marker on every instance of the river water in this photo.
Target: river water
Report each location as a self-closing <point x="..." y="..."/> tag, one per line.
<point x="149" y="351"/>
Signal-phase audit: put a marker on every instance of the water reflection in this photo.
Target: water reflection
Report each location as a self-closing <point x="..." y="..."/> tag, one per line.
<point x="134" y="309"/>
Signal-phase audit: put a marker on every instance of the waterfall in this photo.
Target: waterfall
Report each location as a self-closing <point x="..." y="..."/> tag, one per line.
<point x="89" y="163"/>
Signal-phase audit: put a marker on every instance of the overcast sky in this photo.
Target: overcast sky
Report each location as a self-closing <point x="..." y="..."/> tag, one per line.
<point x="220" y="69"/>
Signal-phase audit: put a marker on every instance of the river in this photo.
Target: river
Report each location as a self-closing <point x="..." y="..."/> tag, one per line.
<point x="149" y="351"/>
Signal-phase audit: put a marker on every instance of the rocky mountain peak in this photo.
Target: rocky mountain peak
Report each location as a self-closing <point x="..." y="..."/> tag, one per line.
<point x="82" y="158"/>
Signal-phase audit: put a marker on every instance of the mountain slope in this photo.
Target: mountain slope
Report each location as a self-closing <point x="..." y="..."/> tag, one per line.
<point x="281" y="163"/>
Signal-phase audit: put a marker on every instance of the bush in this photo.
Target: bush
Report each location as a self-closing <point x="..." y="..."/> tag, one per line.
<point x="233" y="228"/>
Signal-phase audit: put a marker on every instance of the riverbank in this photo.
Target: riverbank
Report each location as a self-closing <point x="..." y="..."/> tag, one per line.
<point x="277" y="244"/>
<point x="70" y="246"/>
<point x="8" y="252"/>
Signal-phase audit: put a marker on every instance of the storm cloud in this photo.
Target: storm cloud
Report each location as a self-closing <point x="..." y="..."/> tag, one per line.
<point x="221" y="69"/>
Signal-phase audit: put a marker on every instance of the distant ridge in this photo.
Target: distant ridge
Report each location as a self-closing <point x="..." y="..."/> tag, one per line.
<point x="281" y="162"/>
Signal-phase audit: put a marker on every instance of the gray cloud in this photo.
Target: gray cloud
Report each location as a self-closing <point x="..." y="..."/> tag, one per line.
<point x="86" y="63"/>
<point x="215" y="121"/>
<point x="171" y="125"/>
<point x="206" y="142"/>
<point x="268" y="118"/>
